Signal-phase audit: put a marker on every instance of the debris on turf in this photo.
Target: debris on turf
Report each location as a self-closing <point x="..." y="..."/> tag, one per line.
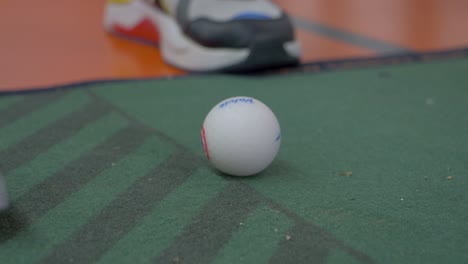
<point x="288" y="237"/>
<point x="429" y="101"/>
<point x="176" y="260"/>
<point x="345" y="173"/>
<point x="450" y="177"/>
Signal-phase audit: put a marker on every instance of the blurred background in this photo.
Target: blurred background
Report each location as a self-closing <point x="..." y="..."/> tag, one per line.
<point x="54" y="42"/>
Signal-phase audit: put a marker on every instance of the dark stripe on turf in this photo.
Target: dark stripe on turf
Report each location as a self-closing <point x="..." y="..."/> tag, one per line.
<point x="74" y="175"/>
<point x="310" y="243"/>
<point x="163" y="137"/>
<point x="111" y="224"/>
<point x="11" y="222"/>
<point x="213" y="227"/>
<point x="307" y="245"/>
<point x="28" y="105"/>
<point x="47" y="137"/>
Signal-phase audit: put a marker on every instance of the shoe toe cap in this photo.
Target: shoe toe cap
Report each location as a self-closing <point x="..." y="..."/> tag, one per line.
<point x="239" y="33"/>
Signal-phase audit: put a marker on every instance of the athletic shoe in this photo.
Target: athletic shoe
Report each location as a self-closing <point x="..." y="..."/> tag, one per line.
<point x="209" y="35"/>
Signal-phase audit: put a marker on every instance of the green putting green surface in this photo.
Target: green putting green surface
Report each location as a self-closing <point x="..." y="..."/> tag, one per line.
<point x="115" y="172"/>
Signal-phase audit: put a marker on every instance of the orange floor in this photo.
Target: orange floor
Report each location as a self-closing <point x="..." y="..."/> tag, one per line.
<point x="52" y="42"/>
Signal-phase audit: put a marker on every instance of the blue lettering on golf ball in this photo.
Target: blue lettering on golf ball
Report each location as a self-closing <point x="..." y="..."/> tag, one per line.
<point x="278" y="137"/>
<point x="236" y="101"/>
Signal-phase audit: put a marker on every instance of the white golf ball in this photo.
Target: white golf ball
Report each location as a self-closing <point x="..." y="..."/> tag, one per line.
<point x="241" y="136"/>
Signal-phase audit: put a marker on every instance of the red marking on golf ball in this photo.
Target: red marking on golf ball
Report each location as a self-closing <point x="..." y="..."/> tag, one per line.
<point x="205" y="144"/>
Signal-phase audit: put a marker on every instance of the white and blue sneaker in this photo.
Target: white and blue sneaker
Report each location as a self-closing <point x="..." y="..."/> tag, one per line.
<point x="209" y="35"/>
